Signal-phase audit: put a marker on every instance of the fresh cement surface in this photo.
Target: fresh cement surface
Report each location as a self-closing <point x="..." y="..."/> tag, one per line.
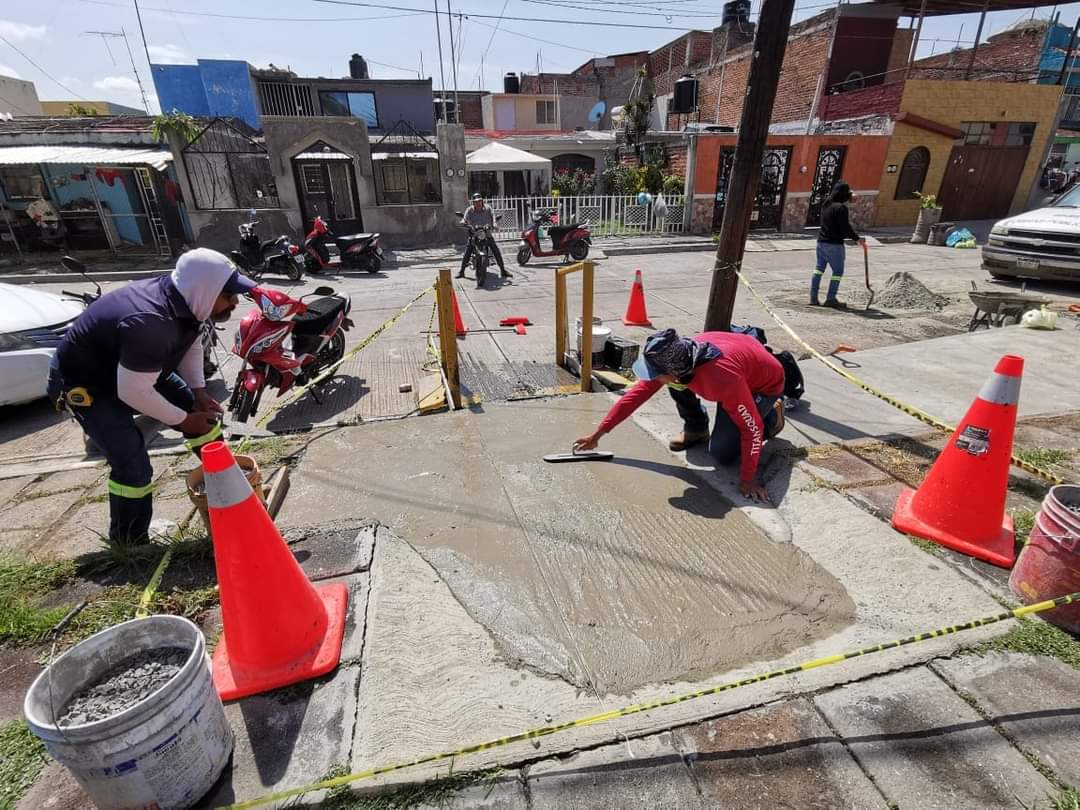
<point x="479" y="619"/>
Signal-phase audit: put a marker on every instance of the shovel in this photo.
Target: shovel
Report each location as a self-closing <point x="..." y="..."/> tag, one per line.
<point x="574" y="455"/>
<point x="866" y="267"/>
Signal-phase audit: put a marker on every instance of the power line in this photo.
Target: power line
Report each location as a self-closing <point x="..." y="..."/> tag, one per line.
<point x="54" y="80"/>
<point x="494" y="31"/>
<point x="255" y="19"/>
<point x="537" y="39"/>
<point x="473" y="15"/>
<point x="620" y="13"/>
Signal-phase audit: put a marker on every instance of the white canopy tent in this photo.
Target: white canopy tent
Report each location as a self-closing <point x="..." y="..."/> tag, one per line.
<point x="500" y="170"/>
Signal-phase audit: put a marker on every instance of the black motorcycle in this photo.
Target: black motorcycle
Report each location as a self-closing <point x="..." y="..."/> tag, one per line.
<point x="479" y="246"/>
<point x="257" y="257"/>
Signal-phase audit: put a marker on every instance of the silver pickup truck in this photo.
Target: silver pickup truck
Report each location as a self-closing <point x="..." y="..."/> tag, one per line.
<point x="1043" y="244"/>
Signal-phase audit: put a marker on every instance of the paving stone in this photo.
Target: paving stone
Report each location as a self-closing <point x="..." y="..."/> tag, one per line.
<point x="10" y="487"/>
<point x="333" y="549"/>
<point x="778" y="756"/>
<point x="352" y="646"/>
<point x="55" y="789"/>
<point x="650" y="774"/>
<point x="879" y="500"/>
<point x="289" y="737"/>
<point x="925" y="747"/>
<point x="18" y="541"/>
<point x="82" y="532"/>
<point x="38" y="513"/>
<point x="80" y="479"/>
<point x="845" y="469"/>
<point x="1034" y="699"/>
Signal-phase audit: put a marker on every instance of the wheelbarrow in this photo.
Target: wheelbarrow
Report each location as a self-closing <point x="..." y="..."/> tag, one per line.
<point x="994" y="308"/>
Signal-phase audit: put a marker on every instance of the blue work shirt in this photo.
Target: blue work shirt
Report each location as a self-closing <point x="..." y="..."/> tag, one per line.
<point x="143" y="326"/>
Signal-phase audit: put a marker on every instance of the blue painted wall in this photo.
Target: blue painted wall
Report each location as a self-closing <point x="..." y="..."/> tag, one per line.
<point x="212" y="87"/>
<point x="1052" y="56"/>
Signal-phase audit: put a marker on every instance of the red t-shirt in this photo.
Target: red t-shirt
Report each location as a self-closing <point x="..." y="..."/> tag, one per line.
<point x="744" y="370"/>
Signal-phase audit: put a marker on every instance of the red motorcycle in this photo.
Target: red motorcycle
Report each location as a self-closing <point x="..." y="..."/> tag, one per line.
<point x="571" y="240"/>
<point x="318" y="341"/>
<point x="360" y="250"/>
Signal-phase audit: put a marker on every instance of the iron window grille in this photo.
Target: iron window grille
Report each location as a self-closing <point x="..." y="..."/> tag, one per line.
<point x="405" y="165"/>
<point x="228" y="169"/>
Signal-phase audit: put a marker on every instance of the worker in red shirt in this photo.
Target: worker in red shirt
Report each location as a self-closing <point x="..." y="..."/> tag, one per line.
<point x="733" y="370"/>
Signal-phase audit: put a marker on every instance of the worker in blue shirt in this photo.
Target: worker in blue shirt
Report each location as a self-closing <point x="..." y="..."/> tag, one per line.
<point x="138" y="350"/>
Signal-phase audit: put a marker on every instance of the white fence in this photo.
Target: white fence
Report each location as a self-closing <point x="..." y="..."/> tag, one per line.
<point x="605" y="215"/>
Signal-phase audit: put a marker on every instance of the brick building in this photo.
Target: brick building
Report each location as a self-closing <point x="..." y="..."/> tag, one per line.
<point x="608" y="79"/>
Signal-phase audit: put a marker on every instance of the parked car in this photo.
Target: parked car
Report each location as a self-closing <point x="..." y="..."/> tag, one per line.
<point x="1040" y="244"/>
<point x="32" y="324"/>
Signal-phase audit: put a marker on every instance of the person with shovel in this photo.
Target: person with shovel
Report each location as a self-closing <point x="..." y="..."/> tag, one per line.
<point x="835" y="228"/>
<point x="733" y="370"/>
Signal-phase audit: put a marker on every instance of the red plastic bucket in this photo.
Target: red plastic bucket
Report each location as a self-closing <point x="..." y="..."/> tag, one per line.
<point x="1049" y="563"/>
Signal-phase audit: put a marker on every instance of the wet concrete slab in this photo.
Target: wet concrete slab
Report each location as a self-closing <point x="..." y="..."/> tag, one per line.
<point x="649" y="578"/>
<point x="1035" y="700"/>
<point x="782" y="755"/>
<point x="925" y="747"/>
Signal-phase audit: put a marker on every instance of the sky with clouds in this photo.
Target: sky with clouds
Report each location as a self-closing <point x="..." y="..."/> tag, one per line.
<point x="47" y="41"/>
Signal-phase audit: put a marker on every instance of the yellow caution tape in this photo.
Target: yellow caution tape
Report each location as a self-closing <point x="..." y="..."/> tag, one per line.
<point x="910" y="410"/>
<point x="544" y="731"/>
<point x="150" y="591"/>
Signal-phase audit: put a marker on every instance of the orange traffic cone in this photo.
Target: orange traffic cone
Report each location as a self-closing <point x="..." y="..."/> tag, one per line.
<point x="459" y="325"/>
<point x="635" y="308"/>
<point x="279" y="629"/>
<point x="961" y="503"/>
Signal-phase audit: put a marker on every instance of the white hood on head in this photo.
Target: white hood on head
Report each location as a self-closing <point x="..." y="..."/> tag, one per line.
<point x="200" y="275"/>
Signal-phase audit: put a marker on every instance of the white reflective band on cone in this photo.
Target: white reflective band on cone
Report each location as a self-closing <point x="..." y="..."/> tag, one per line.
<point x="1001" y="389"/>
<point x="227" y="488"/>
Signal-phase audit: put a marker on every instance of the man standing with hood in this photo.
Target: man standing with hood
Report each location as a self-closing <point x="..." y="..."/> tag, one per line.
<point x="138" y="350"/>
<point x="835" y="228"/>
<point x="733" y="370"/>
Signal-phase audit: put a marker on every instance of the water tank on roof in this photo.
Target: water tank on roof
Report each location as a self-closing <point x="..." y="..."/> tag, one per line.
<point x="511" y="84"/>
<point x="358" y="67"/>
<point x="736" y="11"/>
<point x="684" y="98"/>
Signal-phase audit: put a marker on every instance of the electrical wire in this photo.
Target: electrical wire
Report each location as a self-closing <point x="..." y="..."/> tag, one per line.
<point x="538" y="39"/>
<point x="54" y="80"/>
<point x="668" y="16"/>
<point x="255" y="19"/>
<point x="494" y="31"/>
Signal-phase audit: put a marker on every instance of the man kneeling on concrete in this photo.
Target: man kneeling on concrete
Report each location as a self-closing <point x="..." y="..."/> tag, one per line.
<point x="733" y="370"/>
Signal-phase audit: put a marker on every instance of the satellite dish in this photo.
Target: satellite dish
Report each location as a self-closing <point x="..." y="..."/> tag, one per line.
<point x="597" y="112"/>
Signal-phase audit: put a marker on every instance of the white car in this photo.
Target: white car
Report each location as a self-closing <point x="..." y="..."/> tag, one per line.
<point x="1044" y="243"/>
<point x="32" y="323"/>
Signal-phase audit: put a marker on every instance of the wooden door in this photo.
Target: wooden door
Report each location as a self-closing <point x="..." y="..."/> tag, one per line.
<point x="980" y="181"/>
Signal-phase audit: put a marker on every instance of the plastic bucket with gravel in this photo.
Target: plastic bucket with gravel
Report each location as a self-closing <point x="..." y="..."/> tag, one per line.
<point x="196" y="486"/>
<point x="133" y="714"/>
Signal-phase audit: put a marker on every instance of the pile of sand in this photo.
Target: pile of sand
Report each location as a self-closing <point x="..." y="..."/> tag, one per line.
<point x="904" y="291"/>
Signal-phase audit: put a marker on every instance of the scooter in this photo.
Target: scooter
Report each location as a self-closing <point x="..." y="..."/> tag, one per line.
<point x="272" y="256"/>
<point x="571" y="240"/>
<point x="360" y="250"/>
<point x="318" y="341"/>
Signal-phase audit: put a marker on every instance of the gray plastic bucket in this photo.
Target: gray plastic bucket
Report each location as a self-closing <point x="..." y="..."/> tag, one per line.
<point x="165" y="751"/>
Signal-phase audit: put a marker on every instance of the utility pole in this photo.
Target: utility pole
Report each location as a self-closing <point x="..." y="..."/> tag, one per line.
<point x="146" y="48"/>
<point x="770" y="42"/>
<point x="442" y="73"/>
<point x="453" y="61"/>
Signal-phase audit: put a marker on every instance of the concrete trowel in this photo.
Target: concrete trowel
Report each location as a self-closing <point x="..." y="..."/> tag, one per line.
<point x="574" y="455"/>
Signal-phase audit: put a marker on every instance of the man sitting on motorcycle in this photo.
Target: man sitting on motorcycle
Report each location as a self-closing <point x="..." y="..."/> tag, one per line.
<point x="138" y="349"/>
<point x="479" y="216"/>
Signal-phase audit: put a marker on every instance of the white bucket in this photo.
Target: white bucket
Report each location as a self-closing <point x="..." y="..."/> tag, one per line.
<point x="165" y="751"/>
<point x="600" y="334"/>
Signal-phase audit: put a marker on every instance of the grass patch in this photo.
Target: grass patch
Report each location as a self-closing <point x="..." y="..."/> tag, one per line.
<point x="1068" y="799"/>
<point x="22" y="756"/>
<point x="271" y="451"/>
<point x="1044" y="456"/>
<point x="436" y="793"/>
<point x="928" y="546"/>
<point x="22" y="584"/>
<point x="1035" y="637"/>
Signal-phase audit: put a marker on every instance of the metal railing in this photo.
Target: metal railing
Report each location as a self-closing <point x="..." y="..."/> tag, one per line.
<point x="606" y="215"/>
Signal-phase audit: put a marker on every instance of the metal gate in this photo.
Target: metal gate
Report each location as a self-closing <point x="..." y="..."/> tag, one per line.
<point x="830" y="165"/>
<point x="769" y="202"/>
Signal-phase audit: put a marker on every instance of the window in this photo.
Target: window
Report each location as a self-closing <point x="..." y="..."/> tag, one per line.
<point x="912" y="173"/>
<point x="545" y="112"/>
<point x="451" y="109"/>
<point x="22" y="183"/>
<point x="404" y="179"/>
<point x="284" y="98"/>
<point x="227" y="169"/>
<point x="314" y="179"/>
<point x="572" y="163"/>
<point x="996" y="133"/>
<point x="358" y="105"/>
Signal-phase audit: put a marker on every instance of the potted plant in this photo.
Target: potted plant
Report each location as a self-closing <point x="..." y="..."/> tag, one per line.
<point x="929" y="215"/>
